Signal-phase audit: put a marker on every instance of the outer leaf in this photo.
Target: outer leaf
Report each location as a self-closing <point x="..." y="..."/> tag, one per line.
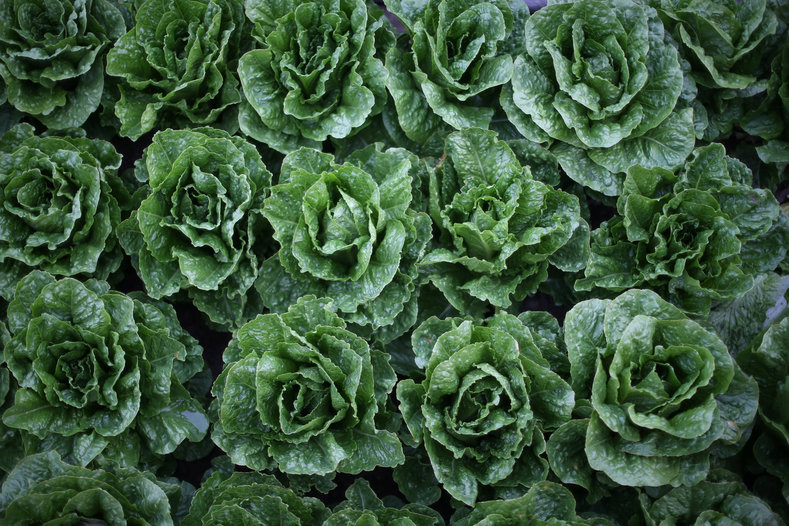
<point x="739" y="320"/>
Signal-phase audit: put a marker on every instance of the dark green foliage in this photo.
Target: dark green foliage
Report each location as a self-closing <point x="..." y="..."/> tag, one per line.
<point x="199" y="229"/>
<point x="394" y="262"/>
<point x="316" y="74"/>
<point x="487" y="398"/>
<point x="42" y="489"/>
<point x="301" y="393"/>
<point x="52" y="57"/>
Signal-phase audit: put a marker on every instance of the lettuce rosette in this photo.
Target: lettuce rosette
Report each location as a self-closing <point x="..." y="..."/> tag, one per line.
<point x="546" y="504"/>
<point x="725" y="45"/>
<point x="362" y="507"/>
<point x="60" y="207"/>
<point x="177" y="66"/>
<point x="721" y="499"/>
<point x="317" y="73"/>
<point x="101" y="375"/>
<point x="448" y="67"/>
<point x="487" y="398"/>
<point x="599" y="82"/>
<point x="301" y="393"/>
<point x="664" y="392"/>
<point x="697" y="236"/>
<point x="498" y="226"/>
<point x="347" y="231"/>
<point x="42" y="489"/>
<point x="252" y="499"/>
<point x="201" y="228"/>
<point x="52" y="57"/>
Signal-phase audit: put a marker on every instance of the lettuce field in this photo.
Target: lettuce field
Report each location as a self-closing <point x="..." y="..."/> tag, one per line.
<point x="394" y="263"/>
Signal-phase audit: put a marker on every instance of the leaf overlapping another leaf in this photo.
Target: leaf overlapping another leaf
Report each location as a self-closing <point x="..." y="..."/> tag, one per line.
<point x="347" y="232"/>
